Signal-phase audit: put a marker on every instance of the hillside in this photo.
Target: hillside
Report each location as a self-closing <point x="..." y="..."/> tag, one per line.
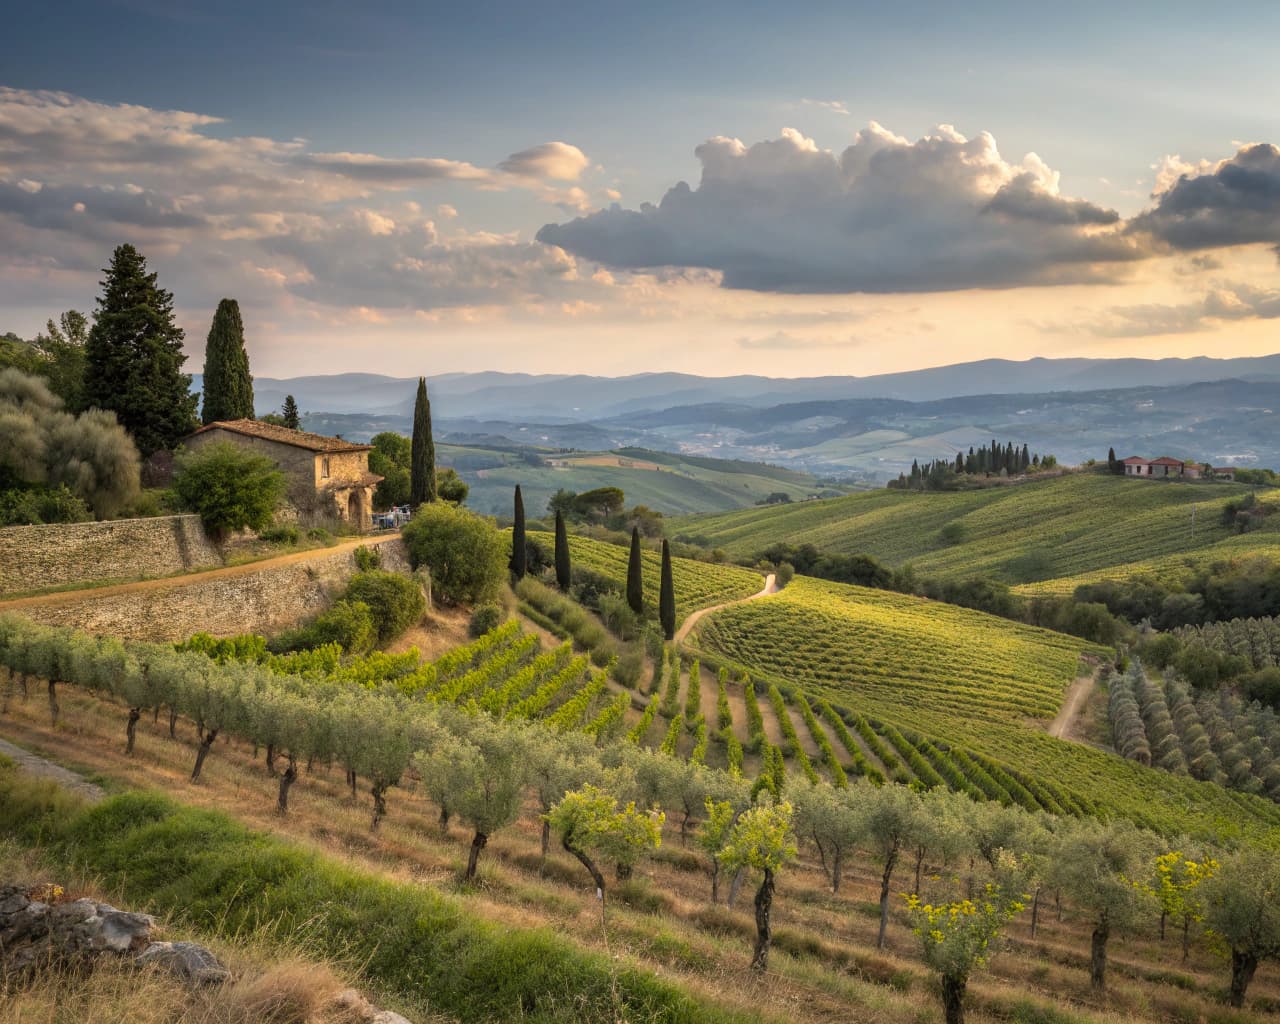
<point x="948" y="677"/>
<point x="1026" y="533"/>
<point x="671" y="484"/>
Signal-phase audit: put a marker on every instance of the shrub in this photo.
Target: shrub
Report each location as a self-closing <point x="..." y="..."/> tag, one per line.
<point x="486" y="618"/>
<point x="368" y="558"/>
<point x="465" y="553"/>
<point x="786" y="572"/>
<point x="286" y="534"/>
<point x="229" y="488"/>
<point x="348" y="623"/>
<point x="394" y="601"/>
<point x="34" y="505"/>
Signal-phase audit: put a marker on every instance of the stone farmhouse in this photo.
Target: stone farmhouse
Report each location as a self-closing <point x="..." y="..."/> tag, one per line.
<point x="1164" y="466"/>
<point x="328" y="478"/>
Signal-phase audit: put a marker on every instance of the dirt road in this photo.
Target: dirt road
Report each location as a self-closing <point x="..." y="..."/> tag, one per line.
<point x="1077" y="696"/>
<point x="770" y="587"/>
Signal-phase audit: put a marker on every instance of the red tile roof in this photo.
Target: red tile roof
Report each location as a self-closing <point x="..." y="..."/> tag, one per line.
<point x="1164" y="460"/>
<point x="1137" y="460"/>
<point x="283" y="435"/>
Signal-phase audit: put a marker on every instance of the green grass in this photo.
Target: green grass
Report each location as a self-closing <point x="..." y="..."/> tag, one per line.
<point x="958" y="677"/>
<point x="205" y="869"/>
<point x="1041" y="530"/>
<point x="672" y="484"/>
<point x="697" y="584"/>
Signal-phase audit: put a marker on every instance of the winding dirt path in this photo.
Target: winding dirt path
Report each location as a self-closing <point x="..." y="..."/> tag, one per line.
<point x="32" y="764"/>
<point x="1077" y="696"/>
<point x="770" y="587"/>
<point x="186" y="579"/>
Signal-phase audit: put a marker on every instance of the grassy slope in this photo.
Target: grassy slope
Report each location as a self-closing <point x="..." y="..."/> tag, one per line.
<point x="960" y="676"/>
<point x="697" y="584"/>
<point x="678" y="487"/>
<point x="1041" y="530"/>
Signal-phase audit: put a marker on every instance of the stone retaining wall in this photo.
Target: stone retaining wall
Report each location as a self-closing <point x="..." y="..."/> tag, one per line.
<point x="225" y="602"/>
<point x="37" y="557"/>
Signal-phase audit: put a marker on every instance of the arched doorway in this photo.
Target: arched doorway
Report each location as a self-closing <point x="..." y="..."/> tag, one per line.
<point x="355" y="510"/>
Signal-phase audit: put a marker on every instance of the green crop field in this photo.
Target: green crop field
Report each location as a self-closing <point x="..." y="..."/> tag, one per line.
<point x="697" y="584"/>
<point x="1080" y="523"/>
<point x="672" y="484"/>
<point x="958" y="680"/>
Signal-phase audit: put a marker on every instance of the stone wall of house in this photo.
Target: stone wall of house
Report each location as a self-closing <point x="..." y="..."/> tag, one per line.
<point x="277" y="595"/>
<point x="37" y="557"/>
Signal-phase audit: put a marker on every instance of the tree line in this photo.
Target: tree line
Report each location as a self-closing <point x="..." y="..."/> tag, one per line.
<point x="987" y="461"/>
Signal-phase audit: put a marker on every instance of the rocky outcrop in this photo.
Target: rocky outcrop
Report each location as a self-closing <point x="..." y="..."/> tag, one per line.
<point x="38" y="927"/>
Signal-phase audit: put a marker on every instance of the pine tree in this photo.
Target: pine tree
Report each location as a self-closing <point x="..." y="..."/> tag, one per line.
<point x="422" y="460"/>
<point x="635" y="586"/>
<point x="134" y="356"/>
<point x="564" y="569"/>
<point x="667" y="595"/>
<point x="290" y="413"/>
<point x="228" y="386"/>
<point x="519" y="554"/>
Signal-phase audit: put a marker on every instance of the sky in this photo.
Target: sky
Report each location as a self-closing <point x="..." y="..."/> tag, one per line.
<point x="710" y="187"/>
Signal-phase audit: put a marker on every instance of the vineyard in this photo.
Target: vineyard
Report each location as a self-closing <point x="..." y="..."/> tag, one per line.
<point x="1041" y="530"/>
<point x="697" y="584"/>
<point x="1216" y="737"/>
<point x="914" y="690"/>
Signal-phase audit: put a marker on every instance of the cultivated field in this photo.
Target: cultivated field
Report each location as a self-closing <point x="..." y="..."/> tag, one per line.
<point x="1041" y="530"/>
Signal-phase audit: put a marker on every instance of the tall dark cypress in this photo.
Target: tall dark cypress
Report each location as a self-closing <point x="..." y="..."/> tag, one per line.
<point x="564" y="568"/>
<point x="519" y="553"/>
<point x="1111" y="460"/>
<point x="635" y="585"/>
<point x="228" y="386"/>
<point x="667" y="595"/>
<point x="422" y="459"/>
<point x="289" y="412"/>
<point x="1026" y="459"/>
<point x="133" y="358"/>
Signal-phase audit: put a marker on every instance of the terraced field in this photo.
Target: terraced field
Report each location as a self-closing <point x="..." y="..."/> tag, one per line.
<point x="929" y="685"/>
<point x="697" y="584"/>
<point x="1026" y="533"/>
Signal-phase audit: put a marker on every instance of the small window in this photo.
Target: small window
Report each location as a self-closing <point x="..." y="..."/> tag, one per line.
<point x="324" y="469"/>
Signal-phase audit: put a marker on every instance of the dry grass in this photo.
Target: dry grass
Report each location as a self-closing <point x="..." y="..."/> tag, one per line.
<point x="271" y="982"/>
<point x="825" y="967"/>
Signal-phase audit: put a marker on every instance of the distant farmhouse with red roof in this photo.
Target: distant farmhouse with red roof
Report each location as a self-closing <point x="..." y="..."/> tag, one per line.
<point x="1165" y="467"/>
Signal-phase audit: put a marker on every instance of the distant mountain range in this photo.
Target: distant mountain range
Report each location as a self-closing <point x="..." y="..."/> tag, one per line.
<point x="854" y="428"/>
<point x="572" y="397"/>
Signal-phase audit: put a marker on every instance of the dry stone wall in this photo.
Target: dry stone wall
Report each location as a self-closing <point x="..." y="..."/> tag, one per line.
<point x="279" y="595"/>
<point x="37" y="557"/>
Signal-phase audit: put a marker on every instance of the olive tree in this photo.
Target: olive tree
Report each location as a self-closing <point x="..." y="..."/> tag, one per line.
<point x="830" y="820"/>
<point x="764" y="841"/>
<point x="554" y="766"/>
<point x="957" y="937"/>
<point x="591" y="824"/>
<point x="1097" y="864"/>
<point x="482" y="776"/>
<point x="890" y="824"/>
<point x="1242" y="911"/>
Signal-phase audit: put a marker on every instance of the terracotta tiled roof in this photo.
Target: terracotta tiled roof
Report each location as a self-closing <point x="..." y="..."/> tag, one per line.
<point x="283" y="435"/>
<point x="1137" y="460"/>
<point x="364" y="480"/>
<point x="1164" y="460"/>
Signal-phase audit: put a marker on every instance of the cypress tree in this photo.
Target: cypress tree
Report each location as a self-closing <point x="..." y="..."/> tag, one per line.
<point x="1026" y="459"/>
<point x="422" y="459"/>
<point x="564" y="570"/>
<point x="1111" y="460"/>
<point x="667" y="595"/>
<point x="635" y="586"/>
<point x="519" y="554"/>
<point x="228" y="386"/>
<point x="289" y="413"/>
<point x="133" y="358"/>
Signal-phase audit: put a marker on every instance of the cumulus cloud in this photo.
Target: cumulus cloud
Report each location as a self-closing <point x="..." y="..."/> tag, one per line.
<point x="885" y="215"/>
<point x="264" y="215"/>
<point x="1233" y="202"/>
<point x="1224" y="303"/>
<point x="557" y="160"/>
